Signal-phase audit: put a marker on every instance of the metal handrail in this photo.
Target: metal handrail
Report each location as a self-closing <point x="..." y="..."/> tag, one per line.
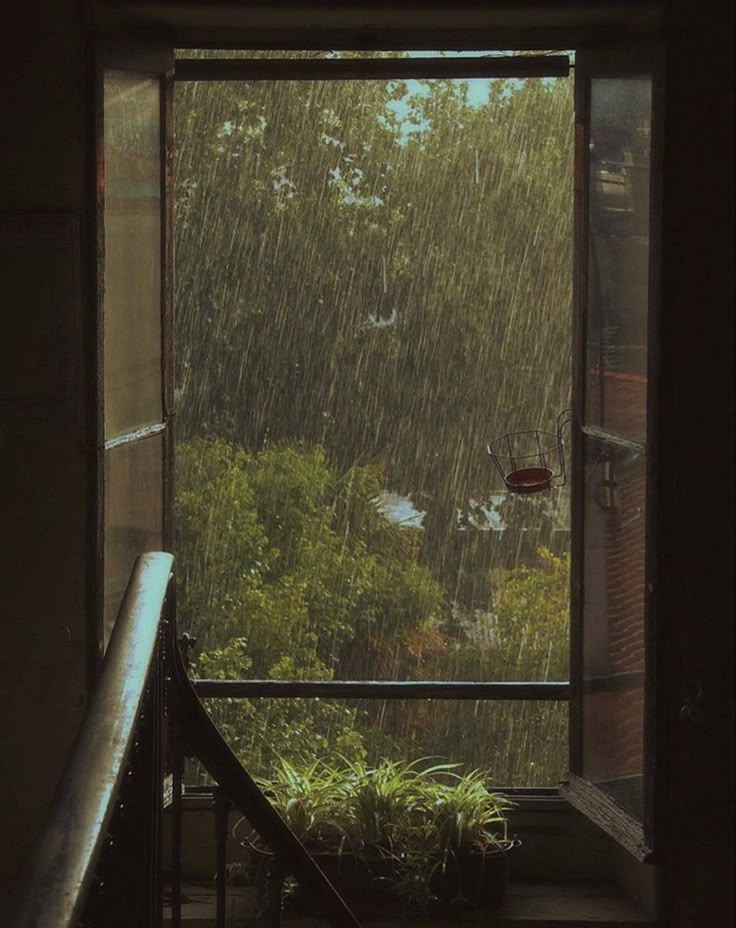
<point x="67" y="850"/>
<point x="515" y="691"/>
<point x="202" y="739"/>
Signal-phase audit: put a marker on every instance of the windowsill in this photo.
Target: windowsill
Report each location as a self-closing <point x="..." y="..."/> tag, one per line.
<point x="528" y="905"/>
<point x="558" y="844"/>
<point x="564" y="873"/>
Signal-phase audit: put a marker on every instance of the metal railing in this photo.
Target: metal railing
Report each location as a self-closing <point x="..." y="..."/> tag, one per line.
<point x="98" y="861"/>
<point x="69" y="849"/>
<point x="194" y="734"/>
<point x="517" y="691"/>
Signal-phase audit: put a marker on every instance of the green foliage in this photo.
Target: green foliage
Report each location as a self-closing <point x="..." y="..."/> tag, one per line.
<point x="371" y="278"/>
<point x="525" y="631"/>
<point x="385" y="800"/>
<point x="311" y="800"/>
<point x="280" y="550"/>
<point x="413" y="814"/>
<point x="465" y="814"/>
<point x="387" y="806"/>
<point x="325" y="585"/>
<point x="286" y="569"/>
<point x="532" y="612"/>
<point x="346" y="248"/>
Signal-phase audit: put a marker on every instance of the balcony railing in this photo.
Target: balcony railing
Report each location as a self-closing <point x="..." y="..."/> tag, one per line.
<point x="542" y="691"/>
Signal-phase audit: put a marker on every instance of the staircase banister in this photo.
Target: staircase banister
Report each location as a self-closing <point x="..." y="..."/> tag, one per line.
<point x="61" y="868"/>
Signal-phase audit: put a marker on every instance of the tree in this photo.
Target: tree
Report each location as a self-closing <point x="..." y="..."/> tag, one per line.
<point x="287" y="570"/>
<point x="337" y="271"/>
<point x="372" y="281"/>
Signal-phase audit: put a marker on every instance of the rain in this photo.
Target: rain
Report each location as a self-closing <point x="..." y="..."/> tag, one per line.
<point x="373" y="280"/>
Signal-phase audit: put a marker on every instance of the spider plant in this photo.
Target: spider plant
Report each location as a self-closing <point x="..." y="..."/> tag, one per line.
<point x="402" y="821"/>
<point x="464" y="814"/>
<point x="311" y="800"/>
<point x="458" y="815"/>
<point x="386" y="801"/>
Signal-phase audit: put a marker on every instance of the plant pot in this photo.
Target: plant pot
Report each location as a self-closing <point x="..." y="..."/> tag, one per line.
<point x="478" y="876"/>
<point x="360" y="880"/>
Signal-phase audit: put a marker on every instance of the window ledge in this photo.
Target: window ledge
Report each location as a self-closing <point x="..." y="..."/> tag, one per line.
<point x="571" y="905"/>
<point x="528" y="905"/>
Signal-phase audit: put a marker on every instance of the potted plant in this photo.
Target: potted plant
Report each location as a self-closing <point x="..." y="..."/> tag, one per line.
<point x="372" y="812"/>
<point x="384" y="814"/>
<point x="424" y="834"/>
<point x="469" y="826"/>
<point x="311" y="800"/>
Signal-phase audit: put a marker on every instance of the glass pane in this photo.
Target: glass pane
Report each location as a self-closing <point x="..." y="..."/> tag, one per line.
<point x="133" y="515"/>
<point x="520" y="743"/>
<point x="132" y="262"/>
<point x="618" y="271"/>
<point x="362" y="268"/>
<point x="614" y="621"/>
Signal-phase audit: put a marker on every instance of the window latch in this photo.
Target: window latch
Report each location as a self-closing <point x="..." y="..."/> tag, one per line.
<point x="692" y="709"/>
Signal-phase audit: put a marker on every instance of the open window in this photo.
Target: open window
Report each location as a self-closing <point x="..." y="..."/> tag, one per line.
<point x="613" y="709"/>
<point x="134" y="299"/>
<point x="611" y="734"/>
<point x="353" y="231"/>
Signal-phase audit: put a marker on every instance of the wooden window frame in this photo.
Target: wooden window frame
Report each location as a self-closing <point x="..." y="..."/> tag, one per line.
<point x="151" y="59"/>
<point x="634" y="834"/>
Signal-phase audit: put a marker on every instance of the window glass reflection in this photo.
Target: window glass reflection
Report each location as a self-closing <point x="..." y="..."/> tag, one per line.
<point x="613" y="625"/>
<point x="132" y="260"/>
<point x="618" y="266"/>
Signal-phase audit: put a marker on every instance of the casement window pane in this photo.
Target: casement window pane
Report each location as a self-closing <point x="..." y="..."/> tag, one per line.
<point x="613" y="621"/>
<point x="520" y="743"/>
<point x="132" y="253"/>
<point x="618" y="259"/>
<point x="133" y="515"/>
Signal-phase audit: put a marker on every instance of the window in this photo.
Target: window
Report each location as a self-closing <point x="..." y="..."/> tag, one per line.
<point x="133" y="241"/>
<point x="398" y="520"/>
<point x="612" y="673"/>
<point x="344" y="249"/>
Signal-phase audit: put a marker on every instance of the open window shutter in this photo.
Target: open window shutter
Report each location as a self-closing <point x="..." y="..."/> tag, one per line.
<point x="135" y="382"/>
<point x="612" y="699"/>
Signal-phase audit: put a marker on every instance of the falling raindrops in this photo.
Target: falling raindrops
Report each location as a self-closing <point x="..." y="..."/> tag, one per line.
<point x="372" y="280"/>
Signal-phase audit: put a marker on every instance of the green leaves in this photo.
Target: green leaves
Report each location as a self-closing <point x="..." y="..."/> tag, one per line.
<point x="279" y="549"/>
<point x="372" y="279"/>
<point x="311" y="801"/>
<point x="310" y="208"/>
<point x="464" y="813"/>
<point x="393" y="808"/>
<point x="287" y="570"/>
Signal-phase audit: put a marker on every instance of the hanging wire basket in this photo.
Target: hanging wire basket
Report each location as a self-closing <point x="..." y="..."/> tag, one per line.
<point x="531" y="460"/>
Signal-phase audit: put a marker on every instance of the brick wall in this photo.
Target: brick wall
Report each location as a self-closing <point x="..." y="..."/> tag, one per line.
<point x="615" y="587"/>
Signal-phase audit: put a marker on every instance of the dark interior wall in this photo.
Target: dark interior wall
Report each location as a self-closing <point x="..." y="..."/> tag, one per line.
<point x="694" y="490"/>
<point x="45" y="462"/>
<point x="43" y="452"/>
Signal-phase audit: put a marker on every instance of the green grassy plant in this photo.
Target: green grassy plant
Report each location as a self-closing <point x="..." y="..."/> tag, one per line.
<point x="417" y="815"/>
